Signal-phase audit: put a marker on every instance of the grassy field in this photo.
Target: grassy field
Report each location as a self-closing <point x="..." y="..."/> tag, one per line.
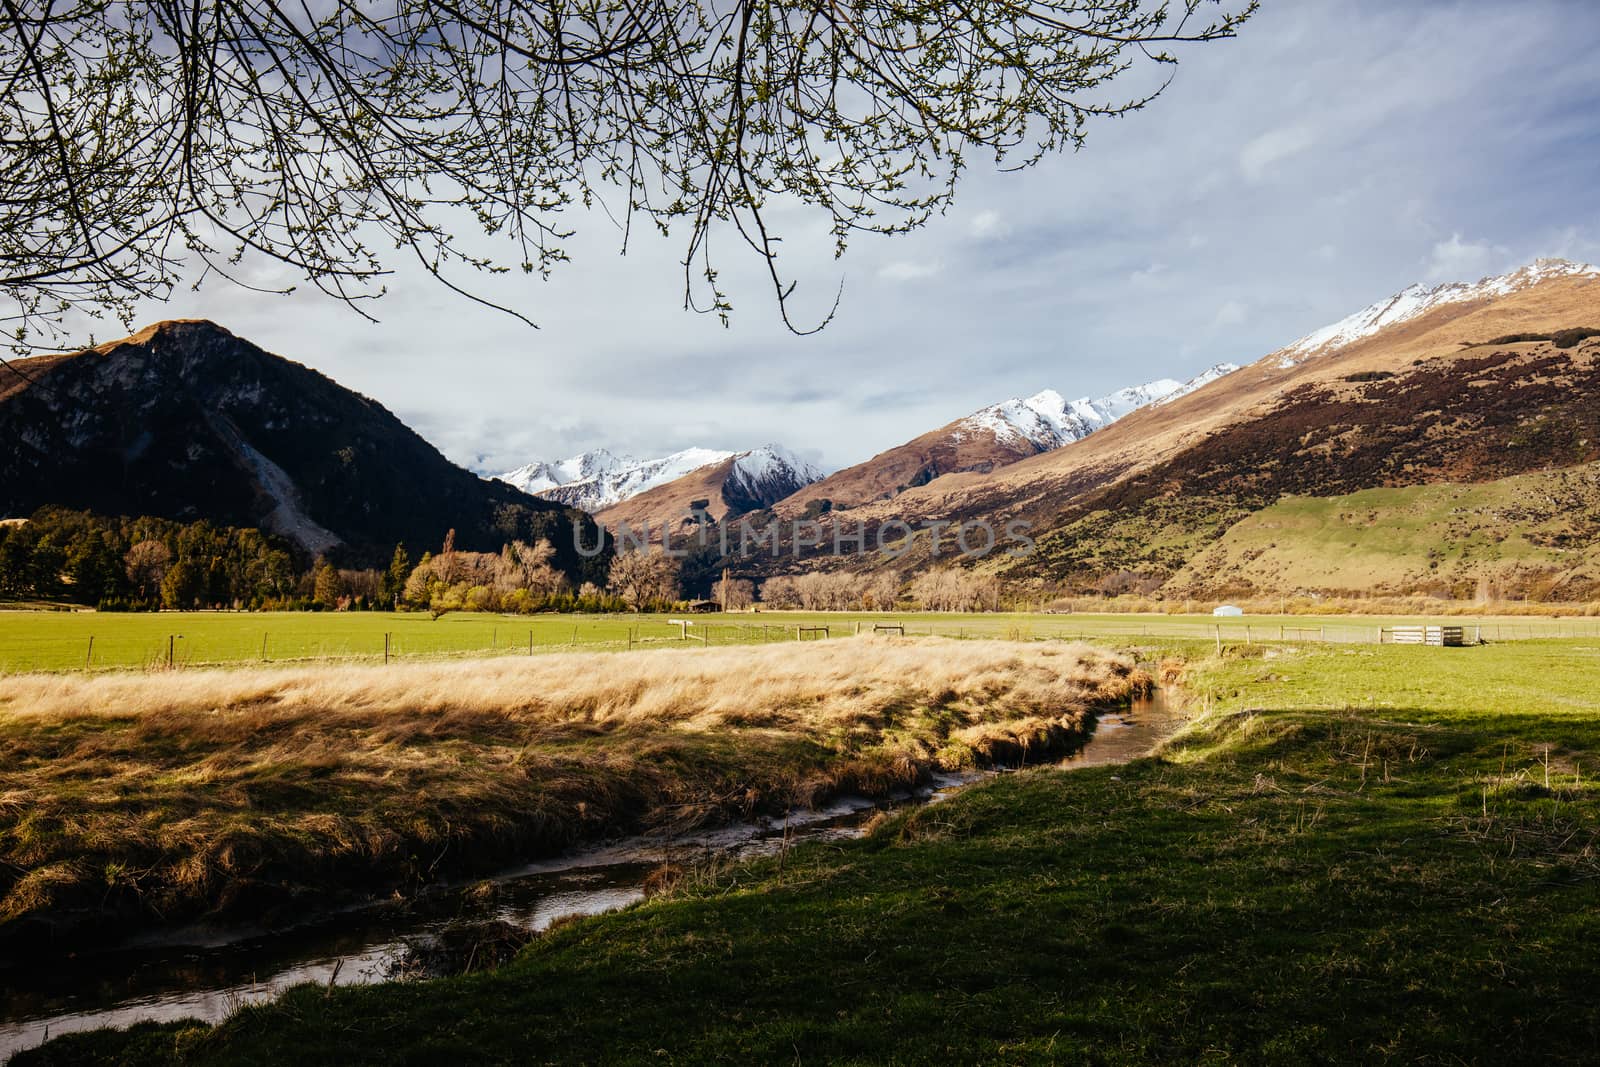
<point x="61" y="641"/>
<point x="54" y="641"/>
<point x="1403" y="538"/>
<point x="1354" y="855"/>
<point x="131" y="798"/>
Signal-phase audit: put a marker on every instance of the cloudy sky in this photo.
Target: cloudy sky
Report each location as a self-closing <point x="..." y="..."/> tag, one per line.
<point x="1337" y="151"/>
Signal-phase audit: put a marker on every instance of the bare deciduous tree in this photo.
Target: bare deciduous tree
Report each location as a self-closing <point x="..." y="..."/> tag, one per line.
<point x="147" y="563"/>
<point x="832" y="591"/>
<point x="951" y="589"/>
<point x="525" y="566"/>
<point x="734" y="594"/>
<point x="643" y="578"/>
<point x="148" y="142"/>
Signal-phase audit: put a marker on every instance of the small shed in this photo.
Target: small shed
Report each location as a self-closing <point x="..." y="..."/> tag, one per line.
<point x="703" y="607"/>
<point x="1228" y="611"/>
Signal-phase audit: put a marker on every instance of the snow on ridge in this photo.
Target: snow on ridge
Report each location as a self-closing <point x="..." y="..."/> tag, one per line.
<point x="539" y="476"/>
<point x="599" y="479"/>
<point x="1047" y="420"/>
<point x="613" y="487"/>
<point x="1204" y="378"/>
<point x="1416" y="300"/>
<point x="774" y="461"/>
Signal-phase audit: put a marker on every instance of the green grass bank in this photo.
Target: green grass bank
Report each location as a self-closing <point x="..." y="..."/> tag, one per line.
<point x="1353" y="855"/>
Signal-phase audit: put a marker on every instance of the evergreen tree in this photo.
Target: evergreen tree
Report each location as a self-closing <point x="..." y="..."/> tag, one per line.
<point x="184" y="586"/>
<point x="16" y="562"/>
<point x="94" y="569"/>
<point x="394" y="580"/>
<point x="325" y="588"/>
<point x="49" y="560"/>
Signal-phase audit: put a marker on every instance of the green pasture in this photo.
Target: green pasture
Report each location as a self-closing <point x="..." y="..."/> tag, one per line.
<point x="1354" y="854"/>
<point x="78" y="640"/>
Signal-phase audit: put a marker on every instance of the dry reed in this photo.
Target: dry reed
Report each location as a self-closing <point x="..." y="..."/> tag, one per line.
<point x="128" y="796"/>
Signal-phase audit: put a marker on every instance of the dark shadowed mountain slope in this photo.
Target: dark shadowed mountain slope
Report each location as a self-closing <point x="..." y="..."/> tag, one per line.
<point x="184" y="420"/>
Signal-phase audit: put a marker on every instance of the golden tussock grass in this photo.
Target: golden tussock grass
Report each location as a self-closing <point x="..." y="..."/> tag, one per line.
<point x="247" y="791"/>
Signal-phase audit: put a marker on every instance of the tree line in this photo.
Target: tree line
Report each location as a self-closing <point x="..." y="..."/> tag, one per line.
<point x="147" y="564"/>
<point x="940" y="589"/>
<point x="520" y="579"/>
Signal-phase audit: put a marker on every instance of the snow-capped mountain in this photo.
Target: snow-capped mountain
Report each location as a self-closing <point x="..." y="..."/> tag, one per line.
<point x="1047" y="420"/>
<point x="537" y="477"/>
<point x="1418" y="300"/>
<point x="993" y="437"/>
<point x="600" y="479"/>
<point x="766" y="475"/>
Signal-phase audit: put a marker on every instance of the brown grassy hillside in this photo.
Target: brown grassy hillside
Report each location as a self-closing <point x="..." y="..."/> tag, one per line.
<point x="1430" y="400"/>
<point x="1046" y="485"/>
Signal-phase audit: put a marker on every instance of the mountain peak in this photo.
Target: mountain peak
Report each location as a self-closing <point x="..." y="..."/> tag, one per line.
<point x="169" y="328"/>
<point x="775" y="461"/>
<point x="598" y="479"/>
<point x="1418" y="299"/>
<point x="185" y="420"/>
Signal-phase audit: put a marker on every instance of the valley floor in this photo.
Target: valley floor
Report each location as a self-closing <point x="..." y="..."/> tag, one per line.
<point x="1355" y="854"/>
<point x="73" y="641"/>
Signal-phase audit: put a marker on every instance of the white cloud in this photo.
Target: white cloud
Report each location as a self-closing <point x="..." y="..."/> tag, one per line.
<point x="1274" y="146"/>
<point x="902" y="270"/>
<point x="1231" y="313"/>
<point x="1455" y="260"/>
<point x="988" y="223"/>
<point x="1572" y="243"/>
<point x="1151" y="275"/>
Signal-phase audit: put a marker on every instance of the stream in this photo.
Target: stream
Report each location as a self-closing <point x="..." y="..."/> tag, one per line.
<point x="203" y="972"/>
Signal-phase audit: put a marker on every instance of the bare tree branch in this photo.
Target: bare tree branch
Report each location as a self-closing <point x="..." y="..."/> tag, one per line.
<point x="145" y="142"/>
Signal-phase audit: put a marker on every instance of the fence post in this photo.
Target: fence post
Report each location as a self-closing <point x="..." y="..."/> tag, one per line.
<point x="264" y="647"/>
<point x="1219" y="639"/>
<point x="385" y="649"/>
<point x="89" y="657"/>
<point x="530" y="642"/>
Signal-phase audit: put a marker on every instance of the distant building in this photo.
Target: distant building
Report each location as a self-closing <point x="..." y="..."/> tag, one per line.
<point x="702" y="606"/>
<point x="1228" y="610"/>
